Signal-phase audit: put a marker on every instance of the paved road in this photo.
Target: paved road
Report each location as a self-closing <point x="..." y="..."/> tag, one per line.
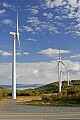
<point x="13" y="111"/>
<point x="40" y="116"/>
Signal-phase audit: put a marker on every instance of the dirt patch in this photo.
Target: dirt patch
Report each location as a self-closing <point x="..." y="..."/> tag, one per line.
<point x="28" y="98"/>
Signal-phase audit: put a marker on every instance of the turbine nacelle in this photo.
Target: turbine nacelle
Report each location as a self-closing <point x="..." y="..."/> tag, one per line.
<point x="12" y="33"/>
<point x="15" y="33"/>
<point x="59" y="60"/>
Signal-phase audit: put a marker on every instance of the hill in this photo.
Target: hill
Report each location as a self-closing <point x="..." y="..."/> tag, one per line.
<point x="70" y="95"/>
<point x="53" y="87"/>
<point x="49" y="88"/>
<point x="48" y="94"/>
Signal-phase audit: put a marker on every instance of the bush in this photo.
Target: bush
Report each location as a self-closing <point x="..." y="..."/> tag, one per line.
<point x="54" y="97"/>
<point x="1" y="95"/>
<point x="22" y="93"/>
<point x="45" y="98"/>
<point x="4" y="92"/>
<point x="71" y="90"/>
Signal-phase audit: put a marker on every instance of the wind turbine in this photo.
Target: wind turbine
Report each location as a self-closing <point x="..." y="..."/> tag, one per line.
<point x="68" y="75"/>
<point x="59" y="71"/>
<point x="16" y="37"/>
<point x="60" y="63"/>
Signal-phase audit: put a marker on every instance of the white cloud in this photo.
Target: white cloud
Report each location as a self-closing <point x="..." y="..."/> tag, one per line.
<point x="53" y="29"/>
<point x="38" y="29"/>
<point x="2" y="11"/>
<point x="7" y="54"/>
<point x="55" y="3"/>
<point x="22" y="53"/>
<point x="4" y="53"/>
<point x="34" y="21"/>
<point x="44" y="25"/>
<point x="73" y="3"/>
<point x="5" y="73"/>
<point x="68" y="9"/>
<point x="53" y="52"/>
<point x="39" y="25"/>
<point x="28" y="29"/>
<point x="39" y="72"/>
<point x="6" y="5"/>
<point x="48" y="15"/>
<point x="7" y="22"/>
<point x="75" y="66"/>
<point x="25" y="53"/>
<point x="34" y="11"/>
<point x="31" y="39"/>
<point x="77" y="33"/>
<point x="75" y="56"/>
<point x="58" y="17"/>
<point x="18" y="53"/>
<point x="59" y="3"/>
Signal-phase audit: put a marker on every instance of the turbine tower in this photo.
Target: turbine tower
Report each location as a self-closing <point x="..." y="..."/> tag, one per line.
<point x="16" y="37"/>
<point x="68" y="75"/>
<point x="59" y="71"/>
<point x="60" y="63"/>
<point x="61" y="75"/>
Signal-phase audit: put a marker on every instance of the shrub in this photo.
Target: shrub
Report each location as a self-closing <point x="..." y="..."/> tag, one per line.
<point x="71" y="90"/>
<point x="4" y="92"/>
<point x="45" y="98"/>
<point x="1" y="95"/>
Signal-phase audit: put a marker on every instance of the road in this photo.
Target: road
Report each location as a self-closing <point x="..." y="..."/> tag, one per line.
<point x="14" y="111"/>
<point x="60" y="116"/>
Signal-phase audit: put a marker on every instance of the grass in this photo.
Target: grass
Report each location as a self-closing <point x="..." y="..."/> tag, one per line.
<point x="51" y="103"/>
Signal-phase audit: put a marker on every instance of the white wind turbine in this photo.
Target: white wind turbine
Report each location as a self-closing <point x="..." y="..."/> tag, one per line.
<point x="68" y="75"/>
<point x="16" y="37"/>
<point x="60" y="63"/>
<point x="59" y="71"/>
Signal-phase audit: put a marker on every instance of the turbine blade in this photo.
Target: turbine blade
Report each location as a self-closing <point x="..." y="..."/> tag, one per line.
<point x="62" y="63"/>
<point x="17" y="24"/>
<point x="58" y="71"/>
<point x="64" y="66"/>
<point x="19" y="44"/>
<point x="59" y="54"/>
<point x="17" y="29"/>
<point x="56" y="67"/>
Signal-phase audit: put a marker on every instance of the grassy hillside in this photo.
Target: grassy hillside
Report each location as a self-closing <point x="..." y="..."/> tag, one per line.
<point x="53" y="87"/>
<point x="70" y="95"/>
<point x="48" y="94"/>
<point x="49" y="88"/>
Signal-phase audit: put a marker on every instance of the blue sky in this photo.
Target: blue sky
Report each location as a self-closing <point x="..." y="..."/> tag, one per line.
<point x="45" y="26"/>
